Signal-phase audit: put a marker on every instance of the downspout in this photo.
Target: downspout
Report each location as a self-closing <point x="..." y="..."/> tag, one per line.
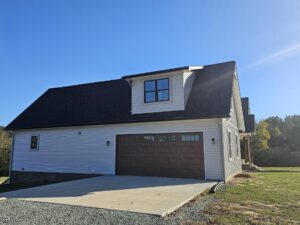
<point x="11" y="157"/>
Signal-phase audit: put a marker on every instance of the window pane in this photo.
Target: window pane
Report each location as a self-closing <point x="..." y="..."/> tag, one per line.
<point x="190" y="137"/>
<point x="171" y="138"/>
<point x="33" y="143"/>
<point x="162" y="138"/>
<point x="150" y="96"/>
<point x="163" y="95"/>
<point x="162" y="84"/>
<point x="149" y="138"/>
<point x="150" y="85"/>
<point x="229" y="145"/>
<point x="166" y="138"/>
<point x="187" y="138"/>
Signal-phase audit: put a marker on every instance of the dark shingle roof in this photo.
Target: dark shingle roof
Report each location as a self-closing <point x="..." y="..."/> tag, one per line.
<point x="249" y="119"/>
<point x="109" y="102"/>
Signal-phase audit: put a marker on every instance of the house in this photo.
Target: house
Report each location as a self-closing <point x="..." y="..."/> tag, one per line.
<point x="181" y="122"/>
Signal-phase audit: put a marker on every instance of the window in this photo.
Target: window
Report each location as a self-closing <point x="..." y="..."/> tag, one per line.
<point x="229" y="145"/>
<point x="34" y="142"/>
<point x="166" y="138"/>
<point x="156" y="90"/>
<point x="237" y="146"/>
<point x="149" y="138"/>
<point x="192" y="137"/>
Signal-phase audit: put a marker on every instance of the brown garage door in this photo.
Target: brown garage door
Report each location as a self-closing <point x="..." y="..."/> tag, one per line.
<point x="164" y="155"/>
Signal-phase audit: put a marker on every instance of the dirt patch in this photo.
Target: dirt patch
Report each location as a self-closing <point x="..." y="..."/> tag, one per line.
<point x="243" y="175"/>
<point x="251" y="213"/>
<point x="259" y="204"/>
<point x="239" y="178"/>
<point x="194" y="223"/>
<point x="255" y="212"/>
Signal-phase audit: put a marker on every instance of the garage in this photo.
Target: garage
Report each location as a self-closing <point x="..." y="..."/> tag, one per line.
<point x="161" y="155"/>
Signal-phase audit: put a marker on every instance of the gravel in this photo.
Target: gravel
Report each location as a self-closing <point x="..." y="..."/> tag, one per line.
<point x="19" y="212"/>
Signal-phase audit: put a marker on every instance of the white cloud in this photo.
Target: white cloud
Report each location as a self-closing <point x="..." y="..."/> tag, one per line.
<point x="276" y="56"/>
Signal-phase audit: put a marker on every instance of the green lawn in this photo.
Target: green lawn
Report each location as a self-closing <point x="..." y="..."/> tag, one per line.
<point x="3" y="179"/>
<point x="282" y="168"/>
<point x="265" y="198"/>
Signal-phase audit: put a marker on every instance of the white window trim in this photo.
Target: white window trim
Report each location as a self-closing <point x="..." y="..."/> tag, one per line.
<point x="170" y="91"/>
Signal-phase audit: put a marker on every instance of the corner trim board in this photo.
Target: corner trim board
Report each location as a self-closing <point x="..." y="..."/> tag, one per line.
<point x="11" y="157"/>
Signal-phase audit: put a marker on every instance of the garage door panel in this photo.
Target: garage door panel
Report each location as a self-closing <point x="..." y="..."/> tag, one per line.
<point x="166" y="155"/>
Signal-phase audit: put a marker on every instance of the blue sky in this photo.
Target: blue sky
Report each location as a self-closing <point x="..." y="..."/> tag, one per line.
<point x="53" y="43"/>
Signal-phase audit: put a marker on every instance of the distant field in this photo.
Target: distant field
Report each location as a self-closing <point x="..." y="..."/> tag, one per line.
<point x="282" y="168"/>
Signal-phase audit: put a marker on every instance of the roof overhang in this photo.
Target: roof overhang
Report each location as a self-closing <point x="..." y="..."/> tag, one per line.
<point x="159" y="72"/>
<point x="238" y="103"/>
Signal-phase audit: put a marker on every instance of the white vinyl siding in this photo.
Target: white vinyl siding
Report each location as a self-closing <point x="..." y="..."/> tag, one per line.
<point x="66" y="150"/>
<point x="232" y="164"/>
<point x="188" y="80"/>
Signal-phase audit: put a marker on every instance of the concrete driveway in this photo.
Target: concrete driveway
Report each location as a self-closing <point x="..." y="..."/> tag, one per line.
<point x="152" y="195"/>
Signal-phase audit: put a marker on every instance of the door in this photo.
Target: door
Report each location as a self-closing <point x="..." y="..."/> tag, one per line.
<point x="162" y="155"/>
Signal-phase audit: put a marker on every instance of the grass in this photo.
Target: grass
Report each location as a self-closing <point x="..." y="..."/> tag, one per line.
<point x="265" y="198"/>
<point x="281" y="168"/>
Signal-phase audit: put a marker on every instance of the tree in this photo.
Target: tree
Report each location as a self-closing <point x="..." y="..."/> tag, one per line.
<point x="276" y="129"/>
<point x="5" y="140"/>
<point x="260" y="140"/>
<point x="291" y="121"/>
<point x="280" y="140"/>
<point x="293" y="139"/>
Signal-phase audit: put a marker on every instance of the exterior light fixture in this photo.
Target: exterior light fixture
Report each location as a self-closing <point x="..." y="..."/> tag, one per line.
<point x="107" y="143"/>
<point x="213" y="140"/>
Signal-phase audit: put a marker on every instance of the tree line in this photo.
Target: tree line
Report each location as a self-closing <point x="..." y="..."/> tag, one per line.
<point x="5" y="142"/>
<point x="277" y="141"/>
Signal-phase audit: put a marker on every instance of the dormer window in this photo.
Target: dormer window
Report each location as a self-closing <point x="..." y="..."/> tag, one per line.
<point x="156" y="90"/>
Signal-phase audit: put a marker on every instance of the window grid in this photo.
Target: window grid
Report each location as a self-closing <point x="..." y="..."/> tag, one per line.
<point x="156" y="91"/>
<point x="149" y="138"/>
<point x="167" y="138"/>
<point x="190" y="138"/>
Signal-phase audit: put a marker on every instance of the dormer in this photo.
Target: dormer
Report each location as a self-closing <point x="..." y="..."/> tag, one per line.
<point x="161" y="91"/>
